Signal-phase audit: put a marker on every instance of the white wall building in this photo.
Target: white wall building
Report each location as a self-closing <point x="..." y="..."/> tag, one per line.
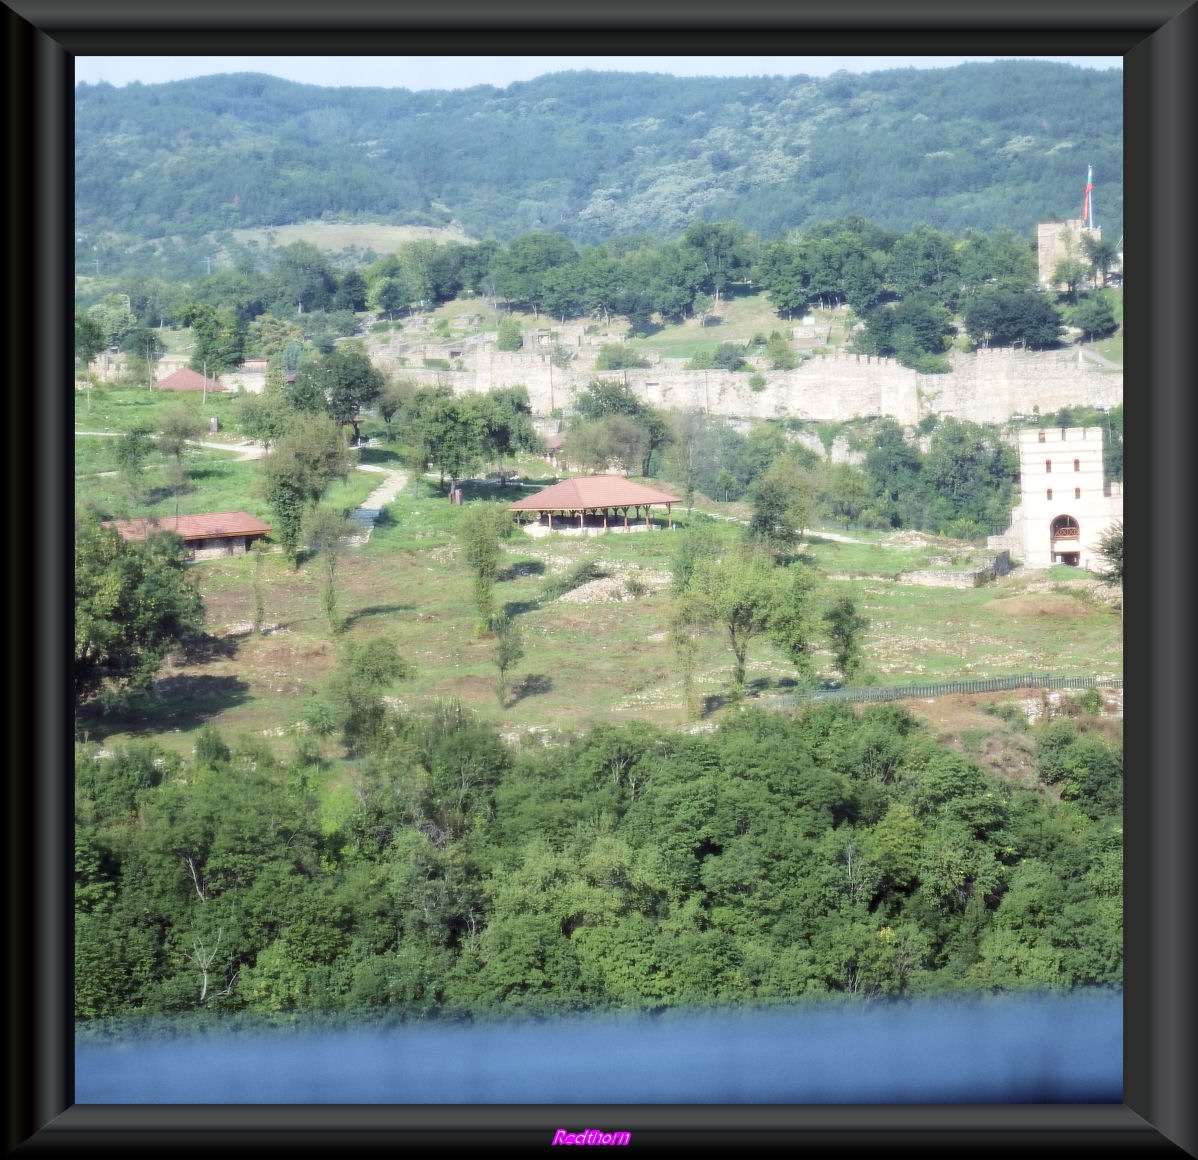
<point x="1065" y="505"/>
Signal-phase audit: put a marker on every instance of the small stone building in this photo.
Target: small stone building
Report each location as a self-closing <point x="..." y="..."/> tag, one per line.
<point x="1066" y="504"/>
<point x="206" y="536"/>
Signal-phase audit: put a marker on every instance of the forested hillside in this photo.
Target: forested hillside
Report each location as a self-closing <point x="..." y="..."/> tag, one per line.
<point x="829" y="854"/>
<point x="599" y="155"/>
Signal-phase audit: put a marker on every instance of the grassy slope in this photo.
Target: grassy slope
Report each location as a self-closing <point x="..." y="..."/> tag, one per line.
<point x="588" y="662"/>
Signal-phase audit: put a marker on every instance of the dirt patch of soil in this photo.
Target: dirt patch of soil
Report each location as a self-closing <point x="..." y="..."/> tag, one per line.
<point x="1040" y="604"/>
<point x="947" y="715"/>
<point x="468" y="689"/>
<point x="960" y="720"/>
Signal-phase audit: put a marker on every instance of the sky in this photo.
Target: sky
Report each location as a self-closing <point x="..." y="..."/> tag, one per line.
<point x="458" y="72"/>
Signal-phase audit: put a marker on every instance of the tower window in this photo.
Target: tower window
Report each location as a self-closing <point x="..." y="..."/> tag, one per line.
<point x="1050" y="493"/>
<point x="1077" y="493"/>
<point x="1077" y="465"/>
<point x="1048" y="466"/>
<point x="1041" y="436"/>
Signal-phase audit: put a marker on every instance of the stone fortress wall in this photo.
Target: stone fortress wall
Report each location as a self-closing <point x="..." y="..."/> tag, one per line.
<point x="988" y="386"/>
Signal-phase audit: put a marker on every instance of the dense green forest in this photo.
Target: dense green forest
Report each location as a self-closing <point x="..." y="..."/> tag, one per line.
<point x="598" y="155"/>
<point x="831" y="853"/>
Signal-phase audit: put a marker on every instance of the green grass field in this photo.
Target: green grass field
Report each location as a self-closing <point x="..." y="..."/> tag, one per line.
<point x="600" y="654"/>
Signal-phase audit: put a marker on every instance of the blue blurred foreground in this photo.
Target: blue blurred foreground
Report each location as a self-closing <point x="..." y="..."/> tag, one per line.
<point x="995" y="1050"/>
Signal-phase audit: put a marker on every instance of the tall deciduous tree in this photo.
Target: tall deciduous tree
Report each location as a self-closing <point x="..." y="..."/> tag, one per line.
<point x="484" y="528"/>
<point x="350" y="381"/>
<point x="325" y="530"/>
<point x="181" y="425"/>
<point x="845" y="627"/>
<point x="133" y="603"/>
<point x="90" y="338"/>
<point x="508" y="649"/>
<point x="781" y="503"/>
<point x="741" y="591"/>
<point x="308" y="457"/>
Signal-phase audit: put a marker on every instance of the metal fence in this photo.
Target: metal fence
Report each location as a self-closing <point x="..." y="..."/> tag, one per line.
<point x="945" y="688"/>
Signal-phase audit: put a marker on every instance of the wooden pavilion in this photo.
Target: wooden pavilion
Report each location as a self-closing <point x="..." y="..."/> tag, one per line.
<point x="594" y="501"/>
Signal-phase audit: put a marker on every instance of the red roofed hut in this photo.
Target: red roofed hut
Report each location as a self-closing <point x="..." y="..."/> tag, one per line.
<point x="206" y="536"/>
<point x="185" y="379"/>
<point x="593" y="503"/>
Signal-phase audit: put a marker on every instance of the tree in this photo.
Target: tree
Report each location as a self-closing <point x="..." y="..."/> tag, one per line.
<point x="308" y="457"/>
<point x="483" y="529"/>
<point x="387" y="295"/>
<point x="509" y="337"/>
<point x="791" y="624"/>
<point x="303" y="279"/>
<point x="1100" y="253"/>
<point x="782" y="357"/>
<point x="392" y="399"/>
<point x="683" y="457"/>
<point x="505" y="422"/>
<point x="181" y="425"/>
<point x="114" y="317"/>
<point x="1071" y="272"/>
<point x="219" y="338"/>
<point x="781" y="503"/>
<point x="364" y="669"/>
<point x="132" y="450"/>
<point x="645" y="431"/>
<point x="723" y="248"/>
<point x="1094" y="316"/>
<point x="133" y="603"/>
<point x="325" y="530"/>
<point x="1110" y="548"/>
<point x="782" y="270"/>
<point x="143" y="349"/>
<point x="350" y="382"/>
<point x="521" y="269"/>
<point x="845" y="626"/>
<point x="509" y="648"/>
<point x="264" y="415"/>
<point x="741" y="591"/>
<point x="90" y="338"/>
<point x="618" y="356"/>
<point x="594" y="445"/>
<point x="687" y="625"/>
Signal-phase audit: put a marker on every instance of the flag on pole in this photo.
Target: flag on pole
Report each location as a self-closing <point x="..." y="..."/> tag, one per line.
<point x="1087" y="208"/>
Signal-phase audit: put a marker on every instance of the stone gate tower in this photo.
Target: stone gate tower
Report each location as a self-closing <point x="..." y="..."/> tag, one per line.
<point x="1065" y="504"/>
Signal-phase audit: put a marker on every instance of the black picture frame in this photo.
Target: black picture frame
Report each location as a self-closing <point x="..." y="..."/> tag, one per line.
<point x="1156" y="38"/>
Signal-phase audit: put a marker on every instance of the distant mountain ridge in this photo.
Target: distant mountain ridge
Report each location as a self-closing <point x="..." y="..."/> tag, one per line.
<point x="598" y="155"/>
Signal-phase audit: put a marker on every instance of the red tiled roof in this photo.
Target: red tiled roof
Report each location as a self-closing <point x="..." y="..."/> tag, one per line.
<point x="185" y="379"/>
<point x="592" y="491"/>
<point x="210" y="526"/>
